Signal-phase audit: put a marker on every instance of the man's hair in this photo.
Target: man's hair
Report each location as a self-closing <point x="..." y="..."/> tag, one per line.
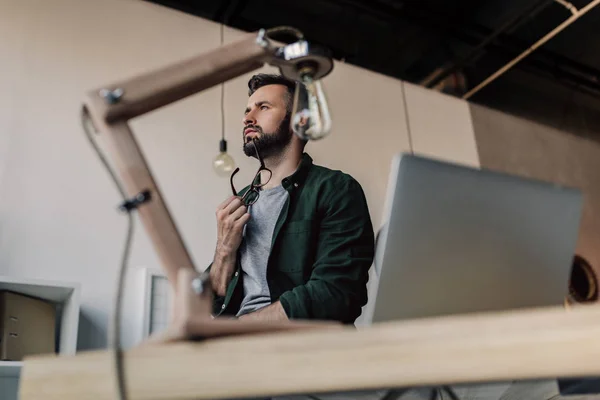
<point x="260" y="80"/>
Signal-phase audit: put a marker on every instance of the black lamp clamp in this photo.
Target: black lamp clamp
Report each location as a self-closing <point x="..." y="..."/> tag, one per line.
<point x="136" y="201"/>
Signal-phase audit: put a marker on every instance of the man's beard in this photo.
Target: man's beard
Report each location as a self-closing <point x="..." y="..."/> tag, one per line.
<point x="269" y="144"/>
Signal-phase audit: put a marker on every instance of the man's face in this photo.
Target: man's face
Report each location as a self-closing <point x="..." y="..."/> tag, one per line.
<point x="266" y="121"/>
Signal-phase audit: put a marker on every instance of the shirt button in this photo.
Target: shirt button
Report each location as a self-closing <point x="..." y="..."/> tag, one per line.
<point x="223" y="307"/>
<point x="236" y="273"/>
<point x="295" y="185"/>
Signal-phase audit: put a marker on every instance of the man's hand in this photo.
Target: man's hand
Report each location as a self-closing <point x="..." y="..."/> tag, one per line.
<point x="232" y="215"/>
<point x="274" y="312"/>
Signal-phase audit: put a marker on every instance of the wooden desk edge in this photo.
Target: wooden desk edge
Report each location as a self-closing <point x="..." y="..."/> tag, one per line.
<point x="499" y="346"/>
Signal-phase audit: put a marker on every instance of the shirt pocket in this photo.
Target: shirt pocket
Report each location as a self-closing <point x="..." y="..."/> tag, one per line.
<point x="296" y="247"/>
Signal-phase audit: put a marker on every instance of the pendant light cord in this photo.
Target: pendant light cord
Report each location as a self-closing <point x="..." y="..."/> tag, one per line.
<point x="222" y="93"/>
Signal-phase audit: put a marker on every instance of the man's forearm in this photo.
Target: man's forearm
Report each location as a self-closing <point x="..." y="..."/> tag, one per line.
<point x="274" y="312"/>
<point x="221" y="271"/>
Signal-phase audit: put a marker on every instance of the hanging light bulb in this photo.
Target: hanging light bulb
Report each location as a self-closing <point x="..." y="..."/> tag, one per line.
<point x="310" y="115"/>
<point x="223" y="164"/>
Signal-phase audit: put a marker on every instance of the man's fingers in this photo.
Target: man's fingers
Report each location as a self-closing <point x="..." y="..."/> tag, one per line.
<point x="242" y="220"/>
<point x="234" y="205"/>
<point x="226" y="202"/>
<point x="238" y="213"/>
<point x="223" y="213"/>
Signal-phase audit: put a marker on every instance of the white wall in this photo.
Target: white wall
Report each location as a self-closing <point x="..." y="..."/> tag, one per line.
<point x="440" y="126"/>
<point x="57" y="204"/>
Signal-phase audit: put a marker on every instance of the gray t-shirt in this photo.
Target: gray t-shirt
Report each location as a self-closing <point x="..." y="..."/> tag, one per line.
<point x="256" y="247"/>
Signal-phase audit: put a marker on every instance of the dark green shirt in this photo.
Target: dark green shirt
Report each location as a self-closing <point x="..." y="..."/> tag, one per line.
<point x="321" y="250"/>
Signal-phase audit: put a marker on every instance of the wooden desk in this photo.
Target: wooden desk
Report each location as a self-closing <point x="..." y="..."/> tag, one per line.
<point x="528" y="344"/>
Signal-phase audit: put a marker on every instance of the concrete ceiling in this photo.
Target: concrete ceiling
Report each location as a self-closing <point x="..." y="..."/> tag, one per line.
<point x="465" y="40"/>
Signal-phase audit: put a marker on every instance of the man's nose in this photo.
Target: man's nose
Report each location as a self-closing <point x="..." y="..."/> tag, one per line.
<point x="249" y="119"/>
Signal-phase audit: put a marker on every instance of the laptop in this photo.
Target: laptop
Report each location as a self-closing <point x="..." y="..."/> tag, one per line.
<point x="457" y="240"/>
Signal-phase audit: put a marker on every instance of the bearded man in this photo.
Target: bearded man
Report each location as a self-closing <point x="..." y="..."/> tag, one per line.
<point x="298" y="242"/>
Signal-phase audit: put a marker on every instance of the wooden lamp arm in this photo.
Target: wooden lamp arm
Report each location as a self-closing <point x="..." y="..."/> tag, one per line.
<point x="155" y="89"/>
<point x="111" y="107"/>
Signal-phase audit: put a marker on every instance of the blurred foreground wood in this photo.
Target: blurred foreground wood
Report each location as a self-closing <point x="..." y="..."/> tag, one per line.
<point x="519" y="345"/>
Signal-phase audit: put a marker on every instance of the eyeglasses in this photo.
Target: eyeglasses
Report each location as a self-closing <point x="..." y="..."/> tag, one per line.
<point x="251" y="196"/>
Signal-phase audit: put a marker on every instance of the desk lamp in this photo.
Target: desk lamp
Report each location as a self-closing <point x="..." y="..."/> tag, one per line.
<point x="109" y="108"/>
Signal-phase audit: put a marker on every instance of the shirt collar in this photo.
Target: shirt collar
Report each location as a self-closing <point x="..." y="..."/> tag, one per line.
<point x="299" y="176"/>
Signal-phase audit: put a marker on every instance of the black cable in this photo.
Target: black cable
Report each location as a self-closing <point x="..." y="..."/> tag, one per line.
<point x="222" y="94"/>
<point x="115" y="329"/>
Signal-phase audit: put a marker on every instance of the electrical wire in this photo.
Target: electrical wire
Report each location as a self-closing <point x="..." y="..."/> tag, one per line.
<point x="222" y="94"/>
<point x="114" y="337"/>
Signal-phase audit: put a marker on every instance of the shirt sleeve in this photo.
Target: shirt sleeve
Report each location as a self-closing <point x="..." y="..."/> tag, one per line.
<point x="337" y="288"/>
